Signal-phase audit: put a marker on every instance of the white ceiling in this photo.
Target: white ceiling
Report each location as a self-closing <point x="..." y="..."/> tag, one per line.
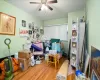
<point x="60" y="9"/>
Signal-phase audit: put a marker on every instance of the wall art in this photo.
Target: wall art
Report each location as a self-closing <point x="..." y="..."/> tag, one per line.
<point x="7" y="24"/>
<point x="23" y="23"/>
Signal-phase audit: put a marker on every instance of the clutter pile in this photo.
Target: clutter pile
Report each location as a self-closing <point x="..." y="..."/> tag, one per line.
<point x="80" y="75"/>
<point x="2" y="67"/>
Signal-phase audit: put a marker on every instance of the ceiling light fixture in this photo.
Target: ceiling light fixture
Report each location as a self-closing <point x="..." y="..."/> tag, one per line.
<point x="45" y="4"/>
<point x="44" y="7"/>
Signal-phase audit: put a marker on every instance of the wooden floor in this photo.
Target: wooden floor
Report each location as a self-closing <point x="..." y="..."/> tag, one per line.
<point x="39" y="72"/>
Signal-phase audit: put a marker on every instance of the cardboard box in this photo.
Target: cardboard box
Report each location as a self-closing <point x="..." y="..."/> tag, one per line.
<point x="29" y="62"/>
<point x="24" y="63"/>
<point x="24" y="54"/>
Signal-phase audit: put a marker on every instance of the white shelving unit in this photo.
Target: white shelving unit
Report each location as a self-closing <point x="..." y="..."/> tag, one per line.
<point x="74" y="45"/>
<point x="78" y="31"/>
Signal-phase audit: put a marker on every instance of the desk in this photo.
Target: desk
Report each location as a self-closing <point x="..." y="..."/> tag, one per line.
<point x="53" y="58"/>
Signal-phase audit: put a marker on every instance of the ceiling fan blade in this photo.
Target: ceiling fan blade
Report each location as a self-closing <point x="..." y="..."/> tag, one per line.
<point x="35" y="3"/>
<point x="49" y="7"/>
<point x="50" y="2"/>
<point x="40" y="8"/>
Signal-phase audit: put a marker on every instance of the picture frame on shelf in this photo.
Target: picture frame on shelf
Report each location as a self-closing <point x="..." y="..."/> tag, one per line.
<point x="74" y="44"/>
<point x="74" y="33"/>
<point x="7" y="24"/>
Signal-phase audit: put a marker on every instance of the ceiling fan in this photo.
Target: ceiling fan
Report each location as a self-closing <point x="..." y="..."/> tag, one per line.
<point x="44" y="4"/>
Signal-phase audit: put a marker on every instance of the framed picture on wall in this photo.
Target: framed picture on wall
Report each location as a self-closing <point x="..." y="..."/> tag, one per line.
<point x="7" y="24"/>
<point x="23" y="23"/>
<point x="30" y="32"/>
<point x="95" y="63"/>
<point x="30" y="26"/>
<point x="41" y="31"/>
<point x="94" y="76"/>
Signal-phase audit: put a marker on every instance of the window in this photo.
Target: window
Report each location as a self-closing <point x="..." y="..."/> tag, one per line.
<point x="56" y="31"/>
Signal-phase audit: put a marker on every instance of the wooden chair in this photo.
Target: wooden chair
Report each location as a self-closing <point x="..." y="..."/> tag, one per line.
<point x="53" y="58"/>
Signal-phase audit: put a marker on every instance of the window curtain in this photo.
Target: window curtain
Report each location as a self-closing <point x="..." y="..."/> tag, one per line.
<point x="56" y="31"/>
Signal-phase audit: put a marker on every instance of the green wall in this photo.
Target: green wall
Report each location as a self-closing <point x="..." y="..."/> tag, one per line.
<point x="56" y="21"/>
<point x="93" y="21"/>
<point x="20" y="15"/>
<point x="73" y="16"/>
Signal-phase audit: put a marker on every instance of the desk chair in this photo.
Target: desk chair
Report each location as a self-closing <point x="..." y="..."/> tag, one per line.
<point x="53" y="58"/>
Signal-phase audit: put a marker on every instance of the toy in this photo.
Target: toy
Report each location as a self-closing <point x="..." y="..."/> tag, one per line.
<point x="8" y="62"/>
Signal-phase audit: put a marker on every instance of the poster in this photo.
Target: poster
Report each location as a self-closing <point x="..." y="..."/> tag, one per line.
<point x="23" y="32"/>
<point x="95" y="62"/>
<point x="7" y="24"/>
